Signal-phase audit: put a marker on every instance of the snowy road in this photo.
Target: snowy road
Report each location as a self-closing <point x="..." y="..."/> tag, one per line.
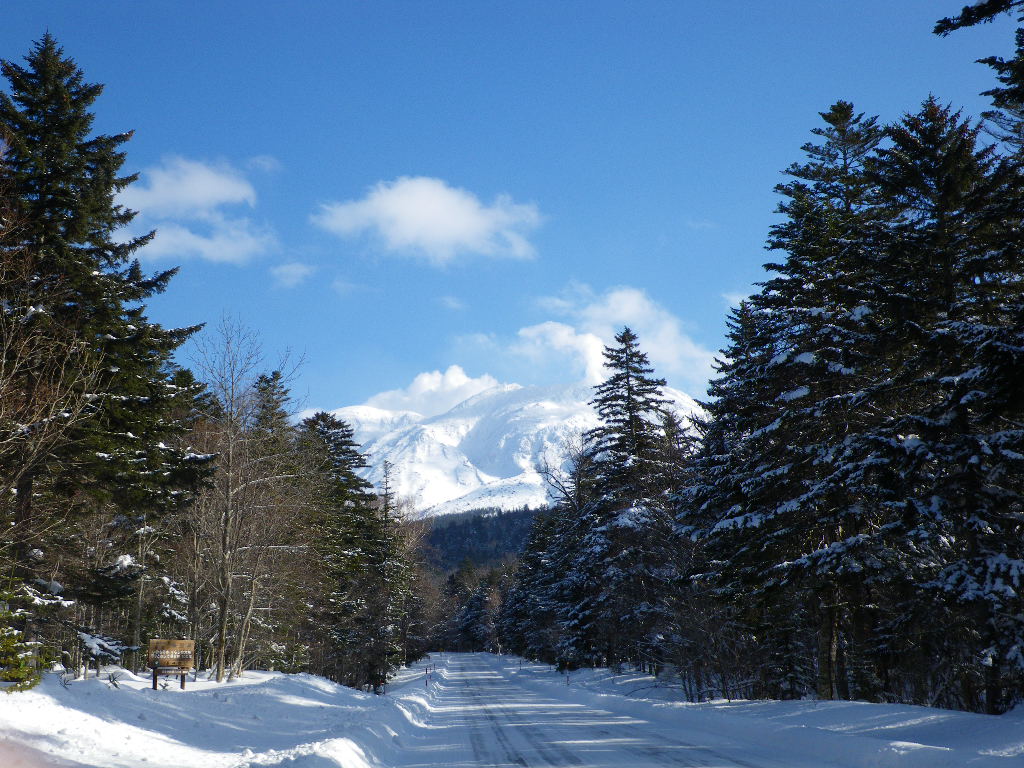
<point x="475" y="710"/>
<point x="481" y="716"/>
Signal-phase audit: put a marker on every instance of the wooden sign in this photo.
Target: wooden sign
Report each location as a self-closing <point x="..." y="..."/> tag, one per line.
<point x="172" y="653"/>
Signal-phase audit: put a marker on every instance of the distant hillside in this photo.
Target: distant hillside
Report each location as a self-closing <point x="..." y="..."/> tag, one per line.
<point x="484" y="537"/>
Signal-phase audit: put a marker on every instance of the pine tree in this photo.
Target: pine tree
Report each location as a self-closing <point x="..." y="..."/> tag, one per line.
<point x="61" y="183"/>
<point x="344" y="503"/>
<point x="1006" y="119"/>
<point x="64" y="184"/>
<point x="622" y="562"/>
<point x="980" y="12"/>
<point x="957" y="211"/>
<point x="629" y="441"/>
<point x="770" y="499"/>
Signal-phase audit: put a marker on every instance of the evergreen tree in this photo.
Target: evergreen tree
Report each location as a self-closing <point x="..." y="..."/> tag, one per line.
<point x="18" y="668"/>
<point x="528" y="619"/>
<point x="1007" y="116"/>
<point x="771" y="499"/>
<point x="365" y="603"/>
<point x="979" y="12"/>
<point x="271" y="424"/>
<point x="386" y="586"/>
<point x="64" y="183"/>
<point x="274" y="496"/>
<point x="821" y="306"/>
<point x="629" y="442"/>
<point x="344" y="505"/>
<point x="475" y="622"/>
<point x="708" y="601"/>
<point x="619" y="572"/>
<point x="61" y="183"/>
<point x="957" y="213"/>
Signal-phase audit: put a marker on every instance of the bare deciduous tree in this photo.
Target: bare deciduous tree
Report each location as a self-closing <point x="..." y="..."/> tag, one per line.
<point x="241" y="525"/>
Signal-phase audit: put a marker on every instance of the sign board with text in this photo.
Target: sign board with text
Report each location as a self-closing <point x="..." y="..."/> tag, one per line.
<point x="180" y="654"/>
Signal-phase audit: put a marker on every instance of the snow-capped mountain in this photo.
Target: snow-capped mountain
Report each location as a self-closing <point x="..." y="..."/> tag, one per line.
<point x="484" y="452"/>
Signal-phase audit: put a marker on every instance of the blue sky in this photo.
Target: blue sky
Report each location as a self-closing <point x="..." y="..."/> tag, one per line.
<point x="390" y="189"/>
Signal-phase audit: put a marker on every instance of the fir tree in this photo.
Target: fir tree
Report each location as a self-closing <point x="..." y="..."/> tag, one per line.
<point x="629" y="441"/>
<point x="475" y="622"/>
<point x="821" y="307"/>
<point x="61" y="183"/>
<point x="64" y="184"/>
<point x="957" y="211"/>
<point x="19" y="667"/>
<point x="980" y="12"/>
<point x="619" y="572"/>
<point x="274" y="495"/>
<point x="365" y="573"/>
<point x="1006" y="119"/>
<point x="343" y="507"/>
<point x="528" y="621"/>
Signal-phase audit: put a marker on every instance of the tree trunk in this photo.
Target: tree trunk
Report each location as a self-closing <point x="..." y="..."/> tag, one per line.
<point x="993" y="689"/>
<point x="223" y="607"/>
<point x="243" y="635"/>
<point x="828" y="649"/>
<point x="867" y="684"/>
<point x="136" y="619"/>
<point x="22" y="528"/>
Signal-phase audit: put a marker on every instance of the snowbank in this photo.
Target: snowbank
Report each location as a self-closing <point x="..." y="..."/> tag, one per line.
<point x="854" y="733"/>
<point x="261" y="719"/>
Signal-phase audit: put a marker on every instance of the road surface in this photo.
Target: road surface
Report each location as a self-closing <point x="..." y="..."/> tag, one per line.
<point x="480" y="715"/>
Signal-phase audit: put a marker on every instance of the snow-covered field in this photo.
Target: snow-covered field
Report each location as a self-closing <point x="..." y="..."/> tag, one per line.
<point x="477" y="709"/>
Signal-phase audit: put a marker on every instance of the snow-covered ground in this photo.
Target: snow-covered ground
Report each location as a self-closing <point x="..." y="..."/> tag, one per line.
<point x="476" y="709"/>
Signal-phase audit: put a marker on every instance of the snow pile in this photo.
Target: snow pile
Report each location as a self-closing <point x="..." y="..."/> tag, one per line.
<point x="847" y="733"/>
<point x="261" y="719"/>
<point x="484" y="452"/>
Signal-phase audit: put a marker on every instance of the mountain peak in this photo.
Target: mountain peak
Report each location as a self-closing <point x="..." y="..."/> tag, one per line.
<point x="485" y="451"/>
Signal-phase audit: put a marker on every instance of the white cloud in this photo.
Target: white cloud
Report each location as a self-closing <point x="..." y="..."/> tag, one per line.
<point x="571" y="348"/>
<point x="434" y="392"/>
<point x="429" y="218"/>
<point x="672" y="352"/>
<point x="185" y="201"/>
<point x="452" y="302"/>
<point x="291" y="274"/>
<point x="264" y="163"/>
<point x="231" y="241"/>
<point x="562" y="347"/>
<point x="183" y="188"/>
<point x="562" y="352"/>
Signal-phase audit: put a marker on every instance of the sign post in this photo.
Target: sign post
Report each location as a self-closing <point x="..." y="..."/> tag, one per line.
<point x="171" y="655"/>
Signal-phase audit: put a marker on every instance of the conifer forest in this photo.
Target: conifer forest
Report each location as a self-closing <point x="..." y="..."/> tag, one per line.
<point x="843" y="517"/>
